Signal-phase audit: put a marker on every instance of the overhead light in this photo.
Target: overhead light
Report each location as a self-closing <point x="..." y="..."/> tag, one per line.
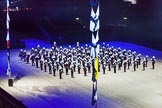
<point x="77" y="19"/>
<point x="131" y="1"/>
<point x="17" y="8"/>
<point x="125" y="18"/>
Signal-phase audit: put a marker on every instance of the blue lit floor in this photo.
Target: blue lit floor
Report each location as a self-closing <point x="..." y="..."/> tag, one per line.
<point x="38" y="89"/>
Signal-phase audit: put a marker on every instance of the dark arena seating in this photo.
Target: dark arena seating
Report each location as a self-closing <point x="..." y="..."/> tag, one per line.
<point x="8" y="101"/>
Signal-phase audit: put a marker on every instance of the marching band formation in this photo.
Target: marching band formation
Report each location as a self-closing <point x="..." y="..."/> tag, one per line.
<point x="74" y="59"/>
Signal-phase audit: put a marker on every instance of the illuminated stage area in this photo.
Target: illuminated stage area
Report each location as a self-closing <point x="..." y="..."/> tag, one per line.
<point x="36" y="88"/>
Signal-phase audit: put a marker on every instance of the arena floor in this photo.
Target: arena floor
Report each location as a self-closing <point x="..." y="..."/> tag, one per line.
<point x="38" y="89"/>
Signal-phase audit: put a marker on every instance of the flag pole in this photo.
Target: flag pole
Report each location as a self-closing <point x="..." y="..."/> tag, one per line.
<point x="9" y="67"/>
<point x="8" y="39"/>
<point x="94" y="28"/>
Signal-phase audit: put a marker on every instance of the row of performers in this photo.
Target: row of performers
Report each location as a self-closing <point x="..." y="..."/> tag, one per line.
<point x="58" y="59"/>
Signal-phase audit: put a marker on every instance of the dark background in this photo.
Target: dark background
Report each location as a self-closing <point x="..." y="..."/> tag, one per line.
<point x="54" y="20"/>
